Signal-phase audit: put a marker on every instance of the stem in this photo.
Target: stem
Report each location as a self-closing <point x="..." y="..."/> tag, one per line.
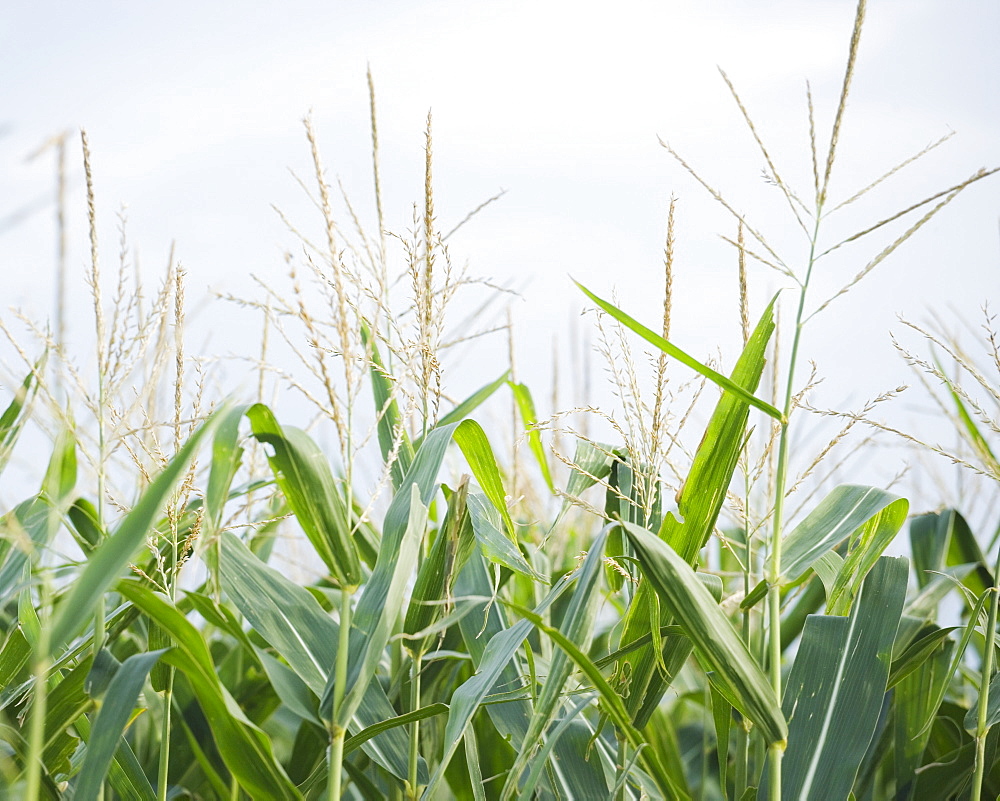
<point x="620" y="766"/>
<point x="336" y="762"/>
<point x="776" y="750"/>
<point x="338" y="731"/>
<point x="984" y="692"/>
<point x="39" y="704"/>
<point x="164" y="763"/>
<point x="414" y="789"/>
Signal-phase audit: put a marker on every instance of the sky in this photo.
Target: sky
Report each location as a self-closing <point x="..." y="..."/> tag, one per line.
<point x="194" y="115"/>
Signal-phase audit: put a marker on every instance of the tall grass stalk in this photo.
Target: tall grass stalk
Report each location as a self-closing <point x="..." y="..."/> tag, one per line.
<point x="41" y="664"/>
<point x="989" y="649"/>
<point x="337" y="731"/>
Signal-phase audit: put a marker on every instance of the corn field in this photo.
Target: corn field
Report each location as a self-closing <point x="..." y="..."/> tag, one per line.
<point x="381" y="595"/>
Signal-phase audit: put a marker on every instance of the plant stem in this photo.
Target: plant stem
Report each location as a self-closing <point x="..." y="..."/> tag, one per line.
<point x="982" y="729"/>
<point x="39" y="703"/>
<point x="338" y="729"/>
<point x="620" y="766"/>
<point x="776" y="750"/>
<point x="164" y="764"/>
<point x="414" y="789"/>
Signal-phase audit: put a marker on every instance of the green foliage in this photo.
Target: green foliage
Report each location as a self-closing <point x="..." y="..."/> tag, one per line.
<point x="251" y="617"/>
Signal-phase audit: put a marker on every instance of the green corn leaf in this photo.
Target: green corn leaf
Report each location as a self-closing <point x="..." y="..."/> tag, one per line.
<point x="291" y="620"/>
<point x="470" y="437"/>
<point x="837" y="517"/>
<point x="591" y="463"/>
<point x="37" y="520"/>
<point x="106" y="564"/>
<point x="924" y="605"/>
<point x="85" y="525"/>
<point x="68" y="701"/>
<point x="363" y="736"/>
<point x="918" y="652"/>
<point x="293" y="691"/>
<point x="60" y="476"/>
<point x="474" y="401"/>
<point x="125" y="774"/>
<point x="992" y="708"/>
<point x="244" y="748"/>
<point x="17" y="413"/>
<point x="915" y="702"/>
<point x="304" y="476"/>
<point x="863" y="550"/>
<point x="578" y="627"/>
<point x="835" y="689"/>
<point x="369" y="636"/>
<point x="541" y="757"/>
<point x="612" y="702"/>
<point x="437" y="573"/>
<point x="526" y="408"/>
<point x="944" y="539"/>
<point x="469" y="405"/>
<point x="108" y="727"/>
<point x="722" y="718"/>
<point x="496" y="546"/>
<point x="227" y="455"/>
<point x="699" y="504"/>
<point x="718" y="645"/>
<point x="392" y="436"/>
<point x="970" y="428"/>
<point x="493" y="647"/>
<point x="672" y="350"/>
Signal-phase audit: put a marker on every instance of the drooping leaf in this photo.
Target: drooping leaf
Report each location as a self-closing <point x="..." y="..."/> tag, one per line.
<point x="837" y="517"/>
<point x="699" y="503"/>
<point x="863" y="550"/>
<point x="244" y="748"/>
<point x="303" y="473"/>
<point x="496" y="546"/>
<point x="718" y="645"/>
<point x="470" y="437"/>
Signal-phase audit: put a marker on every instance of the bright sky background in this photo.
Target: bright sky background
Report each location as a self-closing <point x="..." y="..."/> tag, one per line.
<point x="194" y="112"/>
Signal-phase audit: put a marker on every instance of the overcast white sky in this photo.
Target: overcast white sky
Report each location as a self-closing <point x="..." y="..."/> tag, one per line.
<point x="194" y="111"/>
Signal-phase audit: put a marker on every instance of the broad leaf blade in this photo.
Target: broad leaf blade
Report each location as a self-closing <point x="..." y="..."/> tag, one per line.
<point x="306" y="480"/>
<point x="244" y="748"/>
<point x="292" y="621"/>
<point x="836" y="685"/>
<point x="717" y="643"/>
<point x="123" y="692"/>
<point x="839" y="514"/>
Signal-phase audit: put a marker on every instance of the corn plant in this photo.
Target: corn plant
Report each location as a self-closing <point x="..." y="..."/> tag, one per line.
<point x="454" y="633"/>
